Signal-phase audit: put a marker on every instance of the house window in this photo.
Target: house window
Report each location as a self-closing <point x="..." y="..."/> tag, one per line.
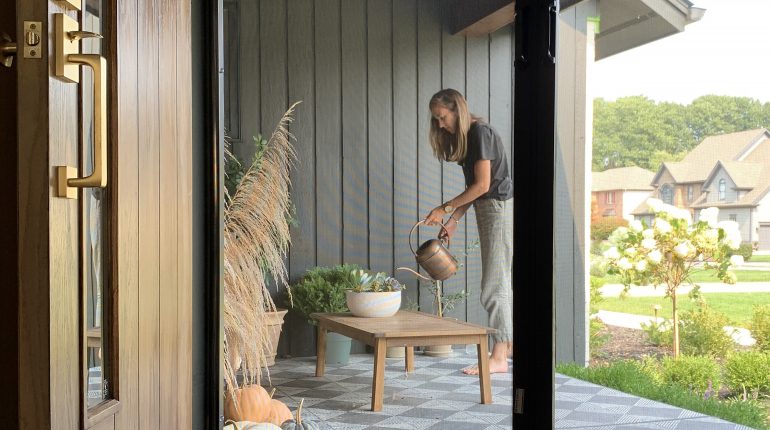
<point x="733" y="217"/>
<point x="667" y="194"/>
<point x="689" y="193"/>
<point x="610" y="198"/>
<point x="722" y="189"/>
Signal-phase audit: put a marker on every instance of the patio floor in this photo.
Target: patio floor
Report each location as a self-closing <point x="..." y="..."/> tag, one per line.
<point x="438" y="396"/>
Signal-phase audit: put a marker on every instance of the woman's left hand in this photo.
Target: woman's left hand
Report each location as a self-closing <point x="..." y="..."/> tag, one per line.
<point x="436" y="216"/>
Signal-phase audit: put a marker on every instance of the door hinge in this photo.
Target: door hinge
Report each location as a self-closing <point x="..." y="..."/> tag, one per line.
<point x="518" y="401"/>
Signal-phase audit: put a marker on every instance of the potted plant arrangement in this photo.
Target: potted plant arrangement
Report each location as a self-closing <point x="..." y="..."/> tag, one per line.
<point x="322" y="289"/>
<point x="374" y="296"/>
<point x="256" y="239"/>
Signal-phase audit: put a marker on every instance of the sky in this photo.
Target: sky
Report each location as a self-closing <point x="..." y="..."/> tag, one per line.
<point x="727" y="52"/>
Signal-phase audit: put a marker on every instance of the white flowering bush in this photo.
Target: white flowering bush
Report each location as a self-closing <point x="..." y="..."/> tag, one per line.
<point x="668" y="252"/>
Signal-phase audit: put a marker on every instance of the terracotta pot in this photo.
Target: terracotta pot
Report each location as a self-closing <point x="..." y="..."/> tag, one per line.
<point x="274" y="321"/>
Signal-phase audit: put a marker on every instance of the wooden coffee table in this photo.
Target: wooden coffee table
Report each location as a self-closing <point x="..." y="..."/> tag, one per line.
<point x="407" y="329"/>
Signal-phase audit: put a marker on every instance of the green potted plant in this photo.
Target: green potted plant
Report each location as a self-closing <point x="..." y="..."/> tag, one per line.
<point x="374" y="296"/>
<point x="322" y="289"/>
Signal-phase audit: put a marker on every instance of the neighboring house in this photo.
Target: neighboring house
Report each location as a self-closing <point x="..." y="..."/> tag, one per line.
<point x="619" y="191"/>
<point x="728" y="171"/>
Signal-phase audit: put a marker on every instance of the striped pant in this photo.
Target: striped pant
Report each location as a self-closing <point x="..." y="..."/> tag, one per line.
<point x="494" y="219"/>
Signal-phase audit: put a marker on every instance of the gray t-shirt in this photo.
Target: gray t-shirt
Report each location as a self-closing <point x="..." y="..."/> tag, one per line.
<point x="485" y="144"/>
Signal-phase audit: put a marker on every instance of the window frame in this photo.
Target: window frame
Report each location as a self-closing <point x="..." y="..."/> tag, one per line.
<point x="664" y="189"/>
<point x="722" y="190"/>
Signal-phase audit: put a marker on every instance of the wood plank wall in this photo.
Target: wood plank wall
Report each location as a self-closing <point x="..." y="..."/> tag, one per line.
<point x="572" y="176"/>
<point x="365" y="71"/>
<point x="153" y="185"/>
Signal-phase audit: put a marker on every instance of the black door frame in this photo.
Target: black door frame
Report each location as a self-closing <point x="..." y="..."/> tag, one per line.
<point x="212" y="109"/>
<point x="533" y="177"/>
<point x="534" y="137"/>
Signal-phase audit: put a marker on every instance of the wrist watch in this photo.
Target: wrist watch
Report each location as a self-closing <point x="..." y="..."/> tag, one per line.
<point x="448" y="208"/>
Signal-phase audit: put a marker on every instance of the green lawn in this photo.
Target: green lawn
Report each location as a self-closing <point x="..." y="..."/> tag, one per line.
<point x="760" y="259"/>
<point x="737" y="306"/>
<point x="708" y="276"/>
<point x="743" y="276"/>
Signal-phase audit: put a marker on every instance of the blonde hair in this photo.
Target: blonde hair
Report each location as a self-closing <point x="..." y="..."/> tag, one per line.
<point x="447" y="146"/>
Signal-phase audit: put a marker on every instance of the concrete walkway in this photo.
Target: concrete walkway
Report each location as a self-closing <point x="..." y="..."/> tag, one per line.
<point x="740" y="335"/>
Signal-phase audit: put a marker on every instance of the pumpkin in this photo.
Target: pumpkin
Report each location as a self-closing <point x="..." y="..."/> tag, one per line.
<point x="279" y="412"/>
<point x="251" y="403"/>
<point x="298" y="424"/>
<point x="248" y="425"/>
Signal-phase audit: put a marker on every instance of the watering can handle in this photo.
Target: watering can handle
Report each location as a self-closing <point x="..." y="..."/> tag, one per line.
<point x="423" y="222"/>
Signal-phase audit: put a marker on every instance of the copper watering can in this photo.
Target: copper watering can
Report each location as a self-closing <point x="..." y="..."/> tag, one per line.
<point x="433" y="256"/>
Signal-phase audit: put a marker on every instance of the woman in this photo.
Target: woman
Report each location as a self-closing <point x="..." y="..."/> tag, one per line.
<point x="456" y="135"/>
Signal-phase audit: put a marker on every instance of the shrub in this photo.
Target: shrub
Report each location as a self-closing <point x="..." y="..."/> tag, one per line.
<point x="746" y="250"/>
<point x="322" y="289"/>
<point x="658" y="333"/>
<point x="597" y="270"/>
<point x="748" y="373"/>
<point x="596" y="339"/>
<point x="596" y="247"/>
<point x="702" y="332"/>
<point x="760" y="327"/>
<point x="602" y="229"/>
<point x="698" y="374"/>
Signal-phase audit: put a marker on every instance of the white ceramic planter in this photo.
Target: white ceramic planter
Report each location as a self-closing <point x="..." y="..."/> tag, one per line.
<point x="374" y="305"/>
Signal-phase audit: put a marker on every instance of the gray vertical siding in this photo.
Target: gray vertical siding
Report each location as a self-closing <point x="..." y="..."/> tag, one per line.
<point x="477" y="94"/>
<point x="365" y="71"/>
<point x="428" y="83"/>
<point x="453" y="182"/>
<point x="570" y="190"/>
<point x="405" y="107"/>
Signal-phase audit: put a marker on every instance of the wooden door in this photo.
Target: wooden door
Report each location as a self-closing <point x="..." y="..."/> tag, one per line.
<point x="103" y="275"/>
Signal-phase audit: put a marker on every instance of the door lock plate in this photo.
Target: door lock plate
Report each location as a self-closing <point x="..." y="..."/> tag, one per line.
<point x="33" y="39"/>
<point x="65" y="46"/>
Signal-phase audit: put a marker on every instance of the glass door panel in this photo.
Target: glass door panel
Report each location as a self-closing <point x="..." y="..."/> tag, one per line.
<point x="95" y="268"/>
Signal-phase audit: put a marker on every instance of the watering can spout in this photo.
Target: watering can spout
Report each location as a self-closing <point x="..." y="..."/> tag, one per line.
<point x="417" y="274"/>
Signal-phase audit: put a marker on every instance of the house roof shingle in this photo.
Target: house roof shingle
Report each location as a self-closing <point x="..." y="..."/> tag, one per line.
<point x="727" y="147"/>
<point x="686" y="172"/>
<point x="753" y="174"/>
<point x="622" y="178"/>
<point x="744" y="155"/>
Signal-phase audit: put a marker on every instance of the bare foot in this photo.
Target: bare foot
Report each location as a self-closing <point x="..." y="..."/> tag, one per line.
<point x="495" y="366"/>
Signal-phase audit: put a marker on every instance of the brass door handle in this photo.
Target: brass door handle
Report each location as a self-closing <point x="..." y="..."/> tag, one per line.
<point x="7" y="50"/>
<point x="68" y="55"/>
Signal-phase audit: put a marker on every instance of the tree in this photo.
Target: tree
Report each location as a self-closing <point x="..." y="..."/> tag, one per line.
<point x="671" y="250"/>
<point x="637" y="131"/>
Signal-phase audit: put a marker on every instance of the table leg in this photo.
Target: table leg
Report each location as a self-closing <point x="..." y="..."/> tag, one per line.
<point x="409" y="359"/>
<point x="484" y="383"/>
<point x="378" y="380"/>
<point x="320" y="361"/>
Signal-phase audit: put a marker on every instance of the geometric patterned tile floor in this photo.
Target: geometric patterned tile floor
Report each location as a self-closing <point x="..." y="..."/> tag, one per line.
<point x="438" y="396"/>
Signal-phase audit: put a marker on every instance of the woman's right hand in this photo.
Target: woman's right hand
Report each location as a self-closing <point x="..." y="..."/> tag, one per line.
<point x="451" y="227"/>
